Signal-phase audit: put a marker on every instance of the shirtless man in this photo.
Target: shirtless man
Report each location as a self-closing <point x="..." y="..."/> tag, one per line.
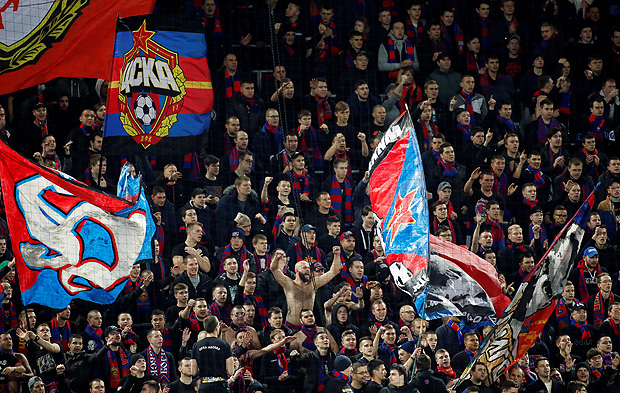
<point x="300" y="292"/>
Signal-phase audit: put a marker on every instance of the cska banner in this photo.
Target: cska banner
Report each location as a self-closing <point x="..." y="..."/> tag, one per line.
<point x="43" y="40"/>
<point x="70" y="241"/>
<point x="161" y="91"/>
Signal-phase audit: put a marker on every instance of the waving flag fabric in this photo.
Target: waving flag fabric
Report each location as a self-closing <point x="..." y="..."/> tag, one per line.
<point x="536" y="298"/>
<point x="69" y="241"/>
<point x="43" y="40"/>
<point x="423" y="265"/>
<point x="161" y="92"/>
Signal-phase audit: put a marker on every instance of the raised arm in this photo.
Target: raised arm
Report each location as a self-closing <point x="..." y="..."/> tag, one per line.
<point x="334" y="270"/>
<point x="283" y="280"/>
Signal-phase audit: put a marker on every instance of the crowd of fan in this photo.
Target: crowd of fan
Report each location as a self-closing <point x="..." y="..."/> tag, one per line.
<point x="515" y="109"/>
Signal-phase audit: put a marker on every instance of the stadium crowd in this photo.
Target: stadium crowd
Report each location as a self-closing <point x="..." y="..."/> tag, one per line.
<point x="267" y="274"/>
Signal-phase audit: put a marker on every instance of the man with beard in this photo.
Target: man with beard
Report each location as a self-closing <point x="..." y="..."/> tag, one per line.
<point x="27" y="321"/>
<point x="301" y="291"/>
<point x="304" y="342"/>
<point x="61" y="328"/>
<point x="112" y="360"/>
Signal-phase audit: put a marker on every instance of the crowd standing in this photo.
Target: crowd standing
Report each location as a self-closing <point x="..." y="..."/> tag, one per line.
<point x="267" y="274"/>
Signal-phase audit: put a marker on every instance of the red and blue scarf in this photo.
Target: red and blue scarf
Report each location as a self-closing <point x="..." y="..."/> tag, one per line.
<point x="227" y="252"/>
<point x="57" y="337"/>
<point x="599" y="309"/>
<point x="543" y="129"/>
<point x="458" y="35"/>
<point x="281" y="357"/>
<point x="258" y="302"/>
<point x="315" y="150"/>
<point x="585" y="334"/>
<point x="485" y="36"/>
<point x="43" y="126"/>
<point x="597" y="124"/>
<point x="339" y="375"/>
<point x="498" y="234"/>
<point x="391" y="351"/>
<point x="500" y="185"/>
<point x="543" y="233"/>
<point x="415" y="33"/>
<point x="233" y="83"/>
<point x="455" y="326"/>
<point x="449" y="168"/>
<point x="465" y="131"/>
<point x="467" y="98"/>
<point x="95" y="335"/>
<point x="308" y="342"/>
<point x="583" y="288"/>
<point x="562" y="319"/>
<point x="158" y="365"/>
<point x="217" y="25"/>
<point x="323" y="109"/>
<point x="428" y="130"/>
<point x="341" y="199"/>
<point x="223" y="313"/>
<point x="539" y="180"/>
<point x="116" y="371"/>
<point x="301" y="183"/>
<point x="392" y="55"/>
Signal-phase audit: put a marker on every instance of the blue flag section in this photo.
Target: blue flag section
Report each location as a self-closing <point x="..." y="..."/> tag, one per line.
<point x="535" y="300"/>
<point x="70" y="242"/>
<point x="160" y="96"/>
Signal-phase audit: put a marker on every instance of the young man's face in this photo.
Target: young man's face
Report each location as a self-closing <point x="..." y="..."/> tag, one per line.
<point x="467" y="84"/>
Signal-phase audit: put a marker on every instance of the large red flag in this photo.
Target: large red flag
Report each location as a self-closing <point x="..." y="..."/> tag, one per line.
<point x="43" y="40"/>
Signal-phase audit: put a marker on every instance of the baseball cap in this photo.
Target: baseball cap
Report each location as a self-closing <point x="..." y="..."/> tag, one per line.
<point x="37" y="106"/>
<point x="590" y="252"/>
<point x="316" y="266"/>
<point x="32" y="381"/>
<point x="346" y="235"/>
<point x="198" y="191"/>
<point x="443" y="185"/>
<point x="307" y="228"/>
<point x="111" y="329"/>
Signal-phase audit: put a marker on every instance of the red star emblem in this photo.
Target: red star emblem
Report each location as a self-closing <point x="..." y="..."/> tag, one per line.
<point x="402" y="213"/>
<point x="141" y="38"/>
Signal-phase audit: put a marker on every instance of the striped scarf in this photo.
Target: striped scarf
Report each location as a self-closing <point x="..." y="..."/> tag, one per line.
<point x="392" y="55"/>
<point x="339" y="375"/>
<point x="341" y="200"/>
<point x="191" y="164"/>
<point x="599" y="309"/>
<point x="593" y="172"/>
<point x="281" y="357"/>
<point x="469" y="106"/>
<point x="309" y="332"/>
<point x="543" y="129"/>
<point x="315" y="150"/>
<point x="167" y="345"/>
<point x="222" y="313"/>
<point x="512" y="22"/>
<point x="554" y="156"/>
<point x="323" y="371"/>
<point x="469" y="353"/>
<point x="411" y="96"/>
<point x="561" y="314"/>
<point x="500" y="185"/>
<point x="276" y="131"/>
<point x="449" y="168"/>
<point x="539" y="181"/>
<point x="43" y="126"/>
<point x="614" y="326"/>
<point x="158" y="364"/>
<point x="116" y="372"/>
<point x="507" y="122"/>
<point x="311" y="255"/>
<point x="485" y="36"/>
<point x="131" y="286"/>
<point x="455" y="326"/>
<point x="233" y="83"/>
<point x="415" y="33"/>
<point x="55" y="159"/>
<point x="258" y="302"/>
<point x="465" y="131"/>
<point x="217" y="25"/>
<point x="565" y="103"/>
<point x="474" y="63"/>
<point x="458" y="35"/>
<point x="529" y="203"/>
<point x="585" y="334"/>
<point x="346" y="276"/>
<point x="194" y="323"/>
<point x="583" y="288"/>
<point x="348" y="352"/>
<point x="428" y="130"/>
<point x="257" y="258"/>
<point x="57" y="337"/>
<point x="517" y="247"/>
<point x="128" y="342"/>
<point x="390" y="5"/>
<point x="233" y="159"/>
<point x="227" y="253"/>
<point x="251" y="104"/>
<point x="301" y="182"/>
<point x="323" y="109"/>
<point x="391" y="351"/>
<point x="330" y="42"/>
<point x="95" y="335"/>
<point x="497" y="232"/>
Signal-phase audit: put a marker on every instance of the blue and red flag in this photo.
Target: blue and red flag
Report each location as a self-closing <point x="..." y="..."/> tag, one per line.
<point x="160" y="96"/>
<point x="423" y="265"/>
<point x="69" y="241"/>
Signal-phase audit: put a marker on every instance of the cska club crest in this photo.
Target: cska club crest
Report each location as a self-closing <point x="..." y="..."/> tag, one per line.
<point x="152" y="88"/>
<point x="28" y="28"/>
